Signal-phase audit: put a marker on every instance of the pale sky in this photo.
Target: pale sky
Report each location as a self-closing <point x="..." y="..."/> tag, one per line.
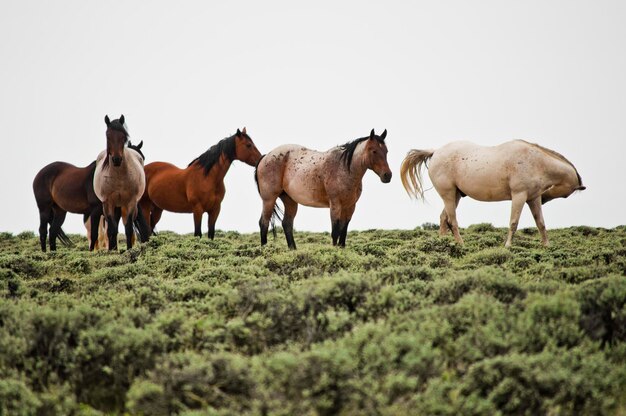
<point x="187" y="74"/>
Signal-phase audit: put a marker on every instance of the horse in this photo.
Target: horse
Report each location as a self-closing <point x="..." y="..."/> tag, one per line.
<point x="119" y="182"/>
<point x="518" y="171"/>
<point x="199" y="188"/>
<point x="60" y="188"/>
<point x="330" y="179"/>
<point x="102" y="240"/>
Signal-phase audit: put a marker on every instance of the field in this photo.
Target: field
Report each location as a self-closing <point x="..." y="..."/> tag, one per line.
<point x="399" y="322"/>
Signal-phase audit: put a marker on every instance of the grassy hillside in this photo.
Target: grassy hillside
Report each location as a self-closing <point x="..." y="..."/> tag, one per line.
<point x="400" y="322"/>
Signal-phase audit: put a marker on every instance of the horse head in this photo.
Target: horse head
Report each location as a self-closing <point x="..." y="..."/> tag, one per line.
<point x="567" y="186"/>
<point x="137" y="148"/>
<point x="117" y="136"/>
<point x="376" y="156"/>
<point x="245" y="149"/>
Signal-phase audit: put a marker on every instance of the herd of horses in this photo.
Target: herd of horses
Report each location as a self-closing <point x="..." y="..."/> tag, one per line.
<point x="117" y="185"/>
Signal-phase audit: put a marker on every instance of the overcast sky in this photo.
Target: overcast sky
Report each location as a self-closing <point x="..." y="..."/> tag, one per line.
<point x="187" y="74"/>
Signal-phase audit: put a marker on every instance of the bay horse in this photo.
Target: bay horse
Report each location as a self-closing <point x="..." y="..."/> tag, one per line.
<point x="518" y="171"/>
<point x="330" y="179"/>
<point x="60" y="188"/>
<point x="199" y="188"/>
<point x="119" y="182"/>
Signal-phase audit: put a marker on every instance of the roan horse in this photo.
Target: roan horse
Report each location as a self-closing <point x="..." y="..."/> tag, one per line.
<point x="200" y="187"/>
<point x="61" y="188"/>
<point x="102" y="242"/>
<point x="119" y="182"/>
<point x="298" y="175"/>
<point x="517" y="170"/>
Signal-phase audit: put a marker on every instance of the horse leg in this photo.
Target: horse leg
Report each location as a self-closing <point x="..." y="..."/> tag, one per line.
<point x="57" y="221"/>
<point x="94" y="221"/>
<point x="444" y="222"/>
<point x="291" y="209"/>
<point x="142" y="225"/>
<point x="535" y="208"/>
<point x="112" y="221"/>
<point x="346" y="216"/>
<point x="266" y="216"/>
<point x="214" y="212"/>
<point x="339" y="219"/>
<point x="155" y="216"/>
<point x="45" y="217"/>
<point x="197" y="220"/>
<point x="145" y="205"/>
<point x="517" y="203"/>
<point x="450" y="202"/>
<point x="129" y="219"/>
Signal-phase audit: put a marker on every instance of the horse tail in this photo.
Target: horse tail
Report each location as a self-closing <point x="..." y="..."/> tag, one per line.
<point x="410" y="172"/>
<point x="64" y="239"/>
<point x="277" y="214"/>
<point x="256" y="175"/>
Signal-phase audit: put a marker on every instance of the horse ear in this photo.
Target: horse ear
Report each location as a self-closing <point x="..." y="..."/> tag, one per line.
<point x="238" y="133"/>
<point x="140" y="145"/>
<point x="382" y="136"/>
<point x="372" y="134"/>
<point x="107" y="120"/>
<point x="244" y="131"/>
<point x="122" y="119"/>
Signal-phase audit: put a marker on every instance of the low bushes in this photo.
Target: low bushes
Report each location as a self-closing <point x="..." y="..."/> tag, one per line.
<point x="400" y="321"/>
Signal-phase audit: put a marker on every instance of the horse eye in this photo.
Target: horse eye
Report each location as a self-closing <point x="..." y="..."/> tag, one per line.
<point x="248" y="145"/>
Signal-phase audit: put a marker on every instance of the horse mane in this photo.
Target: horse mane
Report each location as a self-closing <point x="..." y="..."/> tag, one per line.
<point x="118" y="126"/>
<point x="347" y="149"/>
<point x="212" y="156"/>
<point x="557" y="155"/>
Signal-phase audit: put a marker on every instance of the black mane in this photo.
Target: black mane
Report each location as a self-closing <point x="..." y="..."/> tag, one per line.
<point x="349" y="148"/>
<point x="118" y="126"/>
<point x="212" y="156"/>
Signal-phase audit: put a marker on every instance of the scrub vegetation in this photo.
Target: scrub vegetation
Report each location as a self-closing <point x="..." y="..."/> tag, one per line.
<point x="399" y="322"/>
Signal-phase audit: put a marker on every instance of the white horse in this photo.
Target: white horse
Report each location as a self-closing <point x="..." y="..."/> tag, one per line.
<point x="518" y="171"/>
<point x="119" y="182"/>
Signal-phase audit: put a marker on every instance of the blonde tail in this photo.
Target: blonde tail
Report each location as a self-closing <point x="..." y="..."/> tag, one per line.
<point x="410" y="172"/>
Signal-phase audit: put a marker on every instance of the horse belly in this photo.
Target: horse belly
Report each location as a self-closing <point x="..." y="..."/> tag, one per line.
<point x="484" y="185"/>
<point x="308" y="193"/>
<point x="478" y="176"/>
<point x="71" y="199"/>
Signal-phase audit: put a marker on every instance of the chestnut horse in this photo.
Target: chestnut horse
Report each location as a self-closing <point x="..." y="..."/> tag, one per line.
<point x="119" y="182"/>
<point x="60" y="188"/>
<point x="200" y="187"/>
<point x="518" y="171"/>
<point x="331" y="179"/>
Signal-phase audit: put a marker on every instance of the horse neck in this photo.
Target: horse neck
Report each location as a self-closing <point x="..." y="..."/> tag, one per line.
<point x="358" y="166"/>
<point x="220" y="168"/>
<point x="562" y="169"/>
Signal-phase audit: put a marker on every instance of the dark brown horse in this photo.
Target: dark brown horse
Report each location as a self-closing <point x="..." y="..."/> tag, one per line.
<point x="331" y="179"/>
<point x="200" y="187"/>
<point x="61" y="188"/>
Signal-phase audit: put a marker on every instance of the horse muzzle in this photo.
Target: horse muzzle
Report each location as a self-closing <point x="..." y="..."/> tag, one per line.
<point x="117" y="160"/>
<point x="385" y="177"/>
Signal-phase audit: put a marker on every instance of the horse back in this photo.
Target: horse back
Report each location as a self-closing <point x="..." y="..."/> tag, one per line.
<point x="298" y="171"/>
<point x="65" y="185"/>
